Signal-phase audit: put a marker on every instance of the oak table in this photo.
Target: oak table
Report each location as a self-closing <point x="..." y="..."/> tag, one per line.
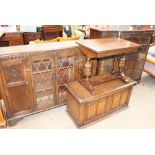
<point x="99" y="48"/>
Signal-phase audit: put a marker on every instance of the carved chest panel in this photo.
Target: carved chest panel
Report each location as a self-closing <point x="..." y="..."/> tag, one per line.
<point x="84" y="107"/>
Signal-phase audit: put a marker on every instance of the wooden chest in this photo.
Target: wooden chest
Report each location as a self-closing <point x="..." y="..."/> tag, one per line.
<point x="110" y="96"/>
<point x="51" y="31"/>
<point x="11" y="39"/>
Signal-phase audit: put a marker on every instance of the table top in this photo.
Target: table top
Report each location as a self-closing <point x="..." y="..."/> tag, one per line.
<point x="108" y="46"/>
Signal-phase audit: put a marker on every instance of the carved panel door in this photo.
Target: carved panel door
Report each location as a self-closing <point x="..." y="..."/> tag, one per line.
<point x="144" y="39"/>
<point x="130" y="64"/>
<point x="43" y="80"/>
<point x="17" y="86"/>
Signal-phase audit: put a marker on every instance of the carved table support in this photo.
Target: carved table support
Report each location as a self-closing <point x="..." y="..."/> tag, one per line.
<point x="121" y="69"/>
<point x="87" y="73"/>
<point x="122" y="64"/>
<point x="87" y="69"/>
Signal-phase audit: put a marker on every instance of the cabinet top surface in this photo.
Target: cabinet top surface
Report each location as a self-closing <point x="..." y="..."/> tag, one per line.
<point x="102" y="45"/>
<point x="22" y="49"/>
<point x="102" y="90"/>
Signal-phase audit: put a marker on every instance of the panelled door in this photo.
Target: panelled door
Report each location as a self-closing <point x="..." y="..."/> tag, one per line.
<point x="17" y="86"/>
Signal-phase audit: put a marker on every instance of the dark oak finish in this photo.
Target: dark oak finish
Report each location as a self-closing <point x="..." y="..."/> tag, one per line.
<point x="101" y="33"/>
<point x="31" y="36"/>
<point x="11" y="39"/>
<point x="142" y="37"/>
<point x="33" y="77"/>
<point x="51" y="31"/>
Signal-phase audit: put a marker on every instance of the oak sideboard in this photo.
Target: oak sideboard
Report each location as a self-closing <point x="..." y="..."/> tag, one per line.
<point x="32" y="77"/>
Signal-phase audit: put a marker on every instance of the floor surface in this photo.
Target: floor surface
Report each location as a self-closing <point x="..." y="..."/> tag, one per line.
<point x="139" y="114"/>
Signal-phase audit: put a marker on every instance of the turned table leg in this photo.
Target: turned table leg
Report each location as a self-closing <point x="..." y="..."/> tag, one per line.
<point x="121" y="69"/>
<point x="87" y="69"/>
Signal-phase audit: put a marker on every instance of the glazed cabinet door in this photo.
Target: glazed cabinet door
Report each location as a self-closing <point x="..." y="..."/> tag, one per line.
<point x="66" y="71"/>
<point x="17" y="89"/>
<point x="43" y="80"/>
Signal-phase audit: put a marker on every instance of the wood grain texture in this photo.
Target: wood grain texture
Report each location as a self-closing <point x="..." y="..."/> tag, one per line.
<point x="109" y="98"/>
<point x="31" y="36"/>
<point x="11" y="39"/>
<point x="29" y="50"/>
<point x="19" y="96"/>
<point x="51" y="31"/>
<point x="107" y="47"/>
<point x="144" y="39"/>
<point x="96" y="33"/>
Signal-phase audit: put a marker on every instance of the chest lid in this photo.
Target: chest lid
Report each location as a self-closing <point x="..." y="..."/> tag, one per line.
<point x="82" y="95"/>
